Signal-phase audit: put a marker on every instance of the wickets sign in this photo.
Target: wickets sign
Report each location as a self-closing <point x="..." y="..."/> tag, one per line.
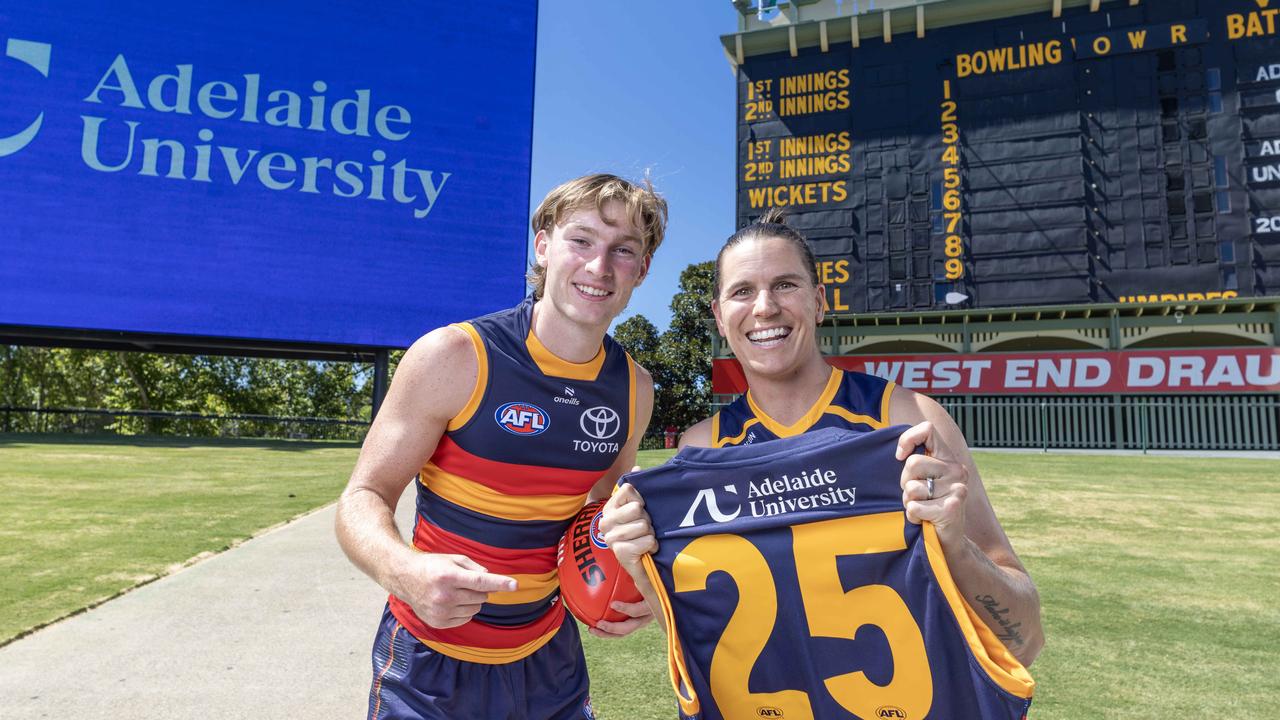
<point x="281" y="171"/>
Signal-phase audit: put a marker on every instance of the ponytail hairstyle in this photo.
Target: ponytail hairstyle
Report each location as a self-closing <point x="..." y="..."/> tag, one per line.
<point x="770" y="225"/>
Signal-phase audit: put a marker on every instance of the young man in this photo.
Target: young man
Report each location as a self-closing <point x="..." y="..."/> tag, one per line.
<point x="768" y="305"/>
<point x="510" y="423"/>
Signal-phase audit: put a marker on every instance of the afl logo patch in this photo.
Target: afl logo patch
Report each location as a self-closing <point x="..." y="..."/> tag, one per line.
<point x="520" y="418"/>
<point x="596" y="538"/>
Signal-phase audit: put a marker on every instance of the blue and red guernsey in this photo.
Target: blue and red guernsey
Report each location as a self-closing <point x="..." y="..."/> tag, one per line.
<point x="511" y="471"/>
<point x="850" y="400"/>
<point x="793" y="586"/>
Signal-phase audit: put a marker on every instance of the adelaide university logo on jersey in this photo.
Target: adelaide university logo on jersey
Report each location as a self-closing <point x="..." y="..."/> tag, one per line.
<point x="706" y="498"/>
<point x="34" y="55"/>
<point x="519" y="418"/>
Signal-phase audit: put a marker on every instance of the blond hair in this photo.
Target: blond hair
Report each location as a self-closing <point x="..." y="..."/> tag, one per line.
<point x="644" y="207"/>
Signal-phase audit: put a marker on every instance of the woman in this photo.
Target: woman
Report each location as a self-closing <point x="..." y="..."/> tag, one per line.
<point x="768" y="304"/>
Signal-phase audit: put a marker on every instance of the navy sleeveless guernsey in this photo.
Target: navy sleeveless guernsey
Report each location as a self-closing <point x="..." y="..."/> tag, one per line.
<point x="511" y="471"/>
<point x="793" y="587"/>
<point x="850" y="400"/>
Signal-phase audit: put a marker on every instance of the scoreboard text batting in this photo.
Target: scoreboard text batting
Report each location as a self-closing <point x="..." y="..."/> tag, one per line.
<point x="1126" y="155"/>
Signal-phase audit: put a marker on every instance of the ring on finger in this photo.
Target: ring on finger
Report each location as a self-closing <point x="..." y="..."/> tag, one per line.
<point x="928" y="486"/>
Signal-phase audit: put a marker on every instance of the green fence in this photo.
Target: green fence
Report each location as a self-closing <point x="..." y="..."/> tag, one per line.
<point x="1182" y="422"/>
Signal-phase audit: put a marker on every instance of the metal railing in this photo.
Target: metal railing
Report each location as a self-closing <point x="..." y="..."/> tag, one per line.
<point x="158" y="422"/>
<point x="1126" y="422"/>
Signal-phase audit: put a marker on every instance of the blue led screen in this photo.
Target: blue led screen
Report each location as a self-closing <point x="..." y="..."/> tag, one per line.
<point x="351" y="173"/>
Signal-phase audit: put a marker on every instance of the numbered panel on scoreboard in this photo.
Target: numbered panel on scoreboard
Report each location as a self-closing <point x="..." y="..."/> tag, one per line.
<point x="1126" y="155"/>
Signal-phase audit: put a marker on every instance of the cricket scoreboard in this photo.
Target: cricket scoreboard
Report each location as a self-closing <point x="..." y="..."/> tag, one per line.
<point x="1121" y="155"/>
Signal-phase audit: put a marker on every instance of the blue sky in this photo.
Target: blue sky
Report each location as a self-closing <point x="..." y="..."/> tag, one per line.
<point x="626" y="86"/>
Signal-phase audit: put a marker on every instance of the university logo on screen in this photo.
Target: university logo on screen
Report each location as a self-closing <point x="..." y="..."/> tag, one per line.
<point x="110" y="143"/>
<point x="36" y="56"/>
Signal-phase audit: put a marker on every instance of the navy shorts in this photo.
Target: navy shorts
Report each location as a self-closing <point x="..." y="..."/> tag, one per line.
<point x="413" y="682"/>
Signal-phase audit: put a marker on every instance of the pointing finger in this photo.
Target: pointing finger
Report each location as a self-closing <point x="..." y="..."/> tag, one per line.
<point x="485" y="582"/>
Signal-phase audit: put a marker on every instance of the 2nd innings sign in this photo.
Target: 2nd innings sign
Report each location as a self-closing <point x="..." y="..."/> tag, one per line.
<point x="1129" y="154"/>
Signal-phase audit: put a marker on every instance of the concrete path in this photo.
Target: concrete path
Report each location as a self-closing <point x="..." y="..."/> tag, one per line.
<point x="279" y="627"/>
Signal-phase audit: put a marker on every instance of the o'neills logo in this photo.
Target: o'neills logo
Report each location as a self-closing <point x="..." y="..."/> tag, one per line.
<point x="111" y="143"/>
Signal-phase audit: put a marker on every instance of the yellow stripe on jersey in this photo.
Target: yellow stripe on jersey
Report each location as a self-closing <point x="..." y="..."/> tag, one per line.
<point x="854" y="417"/>
<point x="529" y="588"/>
<point x="992" y="655"/>
<point x="875" y="423"/>
<point x="810" y="417"/>
<point x="490" y="656"/>
<point x="484" y="499"/>
<point x="736" y="438"/>
<point x="551" y="364"/>
<point x="676" y="669"/>
<point x="482" y="377"/>
<point x="631" y="396"/>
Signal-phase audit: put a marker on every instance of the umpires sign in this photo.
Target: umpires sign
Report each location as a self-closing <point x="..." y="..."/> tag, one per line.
<point x="286" y="171"/>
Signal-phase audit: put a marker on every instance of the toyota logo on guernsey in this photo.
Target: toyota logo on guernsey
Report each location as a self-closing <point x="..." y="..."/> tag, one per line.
<point x="36" y="55"/>
<point x="599" y="423"/>
<point x="115" y="138"/>
<point x="519" y="418"/>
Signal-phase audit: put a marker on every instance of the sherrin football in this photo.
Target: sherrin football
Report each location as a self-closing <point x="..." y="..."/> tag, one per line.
<point x="590" y="576"/>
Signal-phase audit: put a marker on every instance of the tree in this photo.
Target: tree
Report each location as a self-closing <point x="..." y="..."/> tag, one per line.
<point x="59" y="378"/>
<point x="680" y="358"/>
<point x="685" y="351"/>
<point x="640" y="338"/>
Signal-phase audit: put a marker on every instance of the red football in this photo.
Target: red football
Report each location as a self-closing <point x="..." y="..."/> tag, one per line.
<point x="590" y="576"/>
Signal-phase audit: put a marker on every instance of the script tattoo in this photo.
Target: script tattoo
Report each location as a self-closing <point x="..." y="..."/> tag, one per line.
<point x="1008" y="631"/>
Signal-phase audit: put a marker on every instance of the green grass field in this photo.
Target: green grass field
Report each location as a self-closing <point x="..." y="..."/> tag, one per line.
<point x="83" y="520"/>
<point x="1159" y="579"/>
<point x="1158" y="575"/>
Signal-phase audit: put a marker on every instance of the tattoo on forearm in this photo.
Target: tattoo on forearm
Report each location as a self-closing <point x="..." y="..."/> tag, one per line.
<point x="1008" y="634"/>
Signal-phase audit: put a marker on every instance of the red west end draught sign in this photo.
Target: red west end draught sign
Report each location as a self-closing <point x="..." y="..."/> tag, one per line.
<point x="1073" y="373"/>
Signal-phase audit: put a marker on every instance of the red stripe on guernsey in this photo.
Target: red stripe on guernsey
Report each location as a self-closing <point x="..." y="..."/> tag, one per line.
<point x="512" y="478"/>
<point x="475" y="633"/>
<point x="431" y="538"/>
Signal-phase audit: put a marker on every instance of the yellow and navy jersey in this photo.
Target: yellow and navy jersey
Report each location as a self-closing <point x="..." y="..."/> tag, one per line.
<point x="850" y="400"/>
<point x="793" y="586"/>
<point x="511" y="471"/>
